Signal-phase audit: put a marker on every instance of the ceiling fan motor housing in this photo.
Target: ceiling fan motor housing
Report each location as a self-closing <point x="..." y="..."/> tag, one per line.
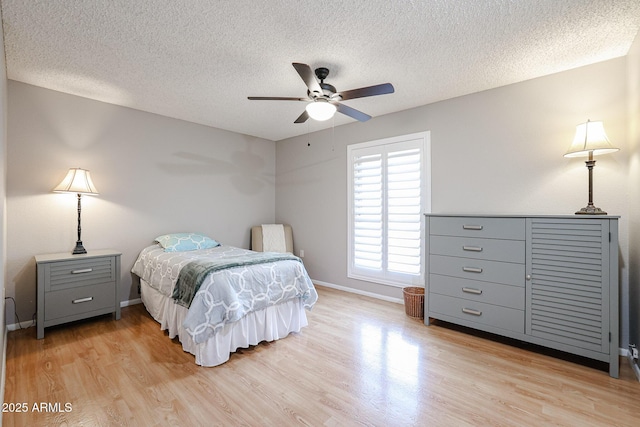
<point x="328" y="91"/>
<point x="322" y="73"/>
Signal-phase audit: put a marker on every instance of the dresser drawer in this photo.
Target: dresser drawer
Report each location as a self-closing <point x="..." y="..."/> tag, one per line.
<point x="507" y="273"/>
<point x="81" y="272"/>
<point x="492" y="228"/>
<point x="478" y="312"/>
<point x="478" y="248"/>
<point x="474" y="290"/>
<point x="73" y="301"/>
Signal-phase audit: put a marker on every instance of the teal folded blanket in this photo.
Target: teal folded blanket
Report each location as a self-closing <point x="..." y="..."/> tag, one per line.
<point x="193" y="274"/>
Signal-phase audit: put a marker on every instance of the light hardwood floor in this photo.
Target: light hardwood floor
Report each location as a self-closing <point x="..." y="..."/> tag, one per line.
<point x="360" y="361"/>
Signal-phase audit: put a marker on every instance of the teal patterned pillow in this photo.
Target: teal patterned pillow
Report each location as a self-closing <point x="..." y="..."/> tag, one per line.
<point x="178" y="242"/>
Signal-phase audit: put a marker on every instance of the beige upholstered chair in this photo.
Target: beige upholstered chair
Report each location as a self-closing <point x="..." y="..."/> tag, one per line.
<point x="256" y="238"/>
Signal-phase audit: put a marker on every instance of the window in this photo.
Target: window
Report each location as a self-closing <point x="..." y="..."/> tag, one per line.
<point x="388" y="194"/>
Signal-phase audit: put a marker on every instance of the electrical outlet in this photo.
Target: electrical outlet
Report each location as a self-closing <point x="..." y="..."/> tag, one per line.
<point x="301" y="253"/>
<point x="634" y="353"/>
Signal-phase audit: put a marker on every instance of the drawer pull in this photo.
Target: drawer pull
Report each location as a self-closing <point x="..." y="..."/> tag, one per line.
<point x="84" y="270"/>
<point x="472" y="269"/>
<point x="472" y="248"/>
<point x="471" y="311"/>
<point x="472" y="291"/>
<point x="471" y="227"/>
<point x="81" y="300"/>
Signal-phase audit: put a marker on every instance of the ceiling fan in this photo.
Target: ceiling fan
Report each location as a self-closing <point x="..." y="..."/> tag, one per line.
<point x="323" y="100"/>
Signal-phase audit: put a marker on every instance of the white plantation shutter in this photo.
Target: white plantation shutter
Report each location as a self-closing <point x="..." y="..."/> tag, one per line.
<point x="367" y="208"/>
<point x="404" y="211"/>
<point x="387" y="198"/>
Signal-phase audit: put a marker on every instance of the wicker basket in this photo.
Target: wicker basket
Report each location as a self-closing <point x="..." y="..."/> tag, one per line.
<point x="414" y="302"/>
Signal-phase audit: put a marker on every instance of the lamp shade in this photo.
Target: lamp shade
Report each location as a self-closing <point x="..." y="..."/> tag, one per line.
<point x="590" y="138"/>
<point x="77" y="181"/>
<point x="321" y="109"/>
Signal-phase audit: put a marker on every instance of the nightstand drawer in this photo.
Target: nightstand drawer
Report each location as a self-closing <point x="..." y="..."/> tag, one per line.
<point x="492" y="228"/>
<point x="477" y="312"/>
<point x="81" y="272"/>
<point x="73" y="301"/>
<point x="507" y="273"/>
<point x="469" y="247"/>
<point x="474" y="290"/>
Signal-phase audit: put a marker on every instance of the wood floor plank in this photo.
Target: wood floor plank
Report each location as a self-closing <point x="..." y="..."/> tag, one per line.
<point x="361" y="361"/>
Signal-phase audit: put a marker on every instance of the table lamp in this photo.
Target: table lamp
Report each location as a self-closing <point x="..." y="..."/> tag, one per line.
<point x="77" y="181"/>
<point x="590" y="140"/>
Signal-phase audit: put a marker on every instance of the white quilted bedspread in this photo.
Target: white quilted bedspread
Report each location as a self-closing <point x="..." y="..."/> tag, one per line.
<point x="281" y="280"/>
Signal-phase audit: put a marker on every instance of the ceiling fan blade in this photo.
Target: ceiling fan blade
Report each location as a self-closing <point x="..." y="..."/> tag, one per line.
<point x="303" y="117"/>
<point x="306" y="73"/>
<point x="352" y="112"/>
<point x="275" y="98"/>
<point x="367" y="91"/>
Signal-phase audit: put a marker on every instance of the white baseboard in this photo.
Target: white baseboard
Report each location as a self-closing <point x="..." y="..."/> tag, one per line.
<point x="131" y="302"/>
<point x="635" y="368"/>
<point x="21" y="325"/>
<point x="632" y="362"/>
<point x="359" y="292"/>
<point x="30" y="323"/>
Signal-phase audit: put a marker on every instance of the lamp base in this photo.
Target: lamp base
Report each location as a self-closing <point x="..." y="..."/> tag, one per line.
<point x="591" y="210"/>
<point x="79" y="249"/>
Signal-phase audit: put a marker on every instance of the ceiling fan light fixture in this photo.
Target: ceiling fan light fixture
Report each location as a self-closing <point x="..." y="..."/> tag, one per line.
<point x="320" y="109"/>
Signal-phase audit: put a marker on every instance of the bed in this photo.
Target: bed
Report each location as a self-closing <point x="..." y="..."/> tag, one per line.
<point x="217" y="298"/>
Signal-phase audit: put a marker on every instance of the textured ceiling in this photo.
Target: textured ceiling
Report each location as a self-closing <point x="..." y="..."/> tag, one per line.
<point x="198" y="60"/>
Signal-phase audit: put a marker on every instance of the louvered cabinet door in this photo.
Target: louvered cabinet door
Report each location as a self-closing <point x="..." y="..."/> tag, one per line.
<point x="571" y="287"/>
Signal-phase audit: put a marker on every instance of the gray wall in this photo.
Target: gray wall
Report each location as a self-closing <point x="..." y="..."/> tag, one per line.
<point x="498" y="151"/>
<point x="633" y="78"/>
<point x="155" y="175"/>
<point x="3" y="198"/>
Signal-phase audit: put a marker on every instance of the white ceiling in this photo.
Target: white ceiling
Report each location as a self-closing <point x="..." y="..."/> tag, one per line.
<point x="198" y="60"/>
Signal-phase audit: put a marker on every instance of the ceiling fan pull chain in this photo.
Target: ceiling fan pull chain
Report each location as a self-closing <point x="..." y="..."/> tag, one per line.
<point x="333" y="134"/>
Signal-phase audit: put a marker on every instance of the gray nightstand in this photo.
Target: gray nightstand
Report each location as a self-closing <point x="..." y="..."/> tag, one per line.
<point x="75" y="287"/>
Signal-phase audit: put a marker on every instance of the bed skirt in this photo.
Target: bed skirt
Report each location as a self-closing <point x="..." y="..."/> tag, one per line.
<point x="269" y="324"/>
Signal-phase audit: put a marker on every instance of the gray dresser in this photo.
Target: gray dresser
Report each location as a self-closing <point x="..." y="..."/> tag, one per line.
<point x="75" y="287"/>
<point x="547" y="280"/>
